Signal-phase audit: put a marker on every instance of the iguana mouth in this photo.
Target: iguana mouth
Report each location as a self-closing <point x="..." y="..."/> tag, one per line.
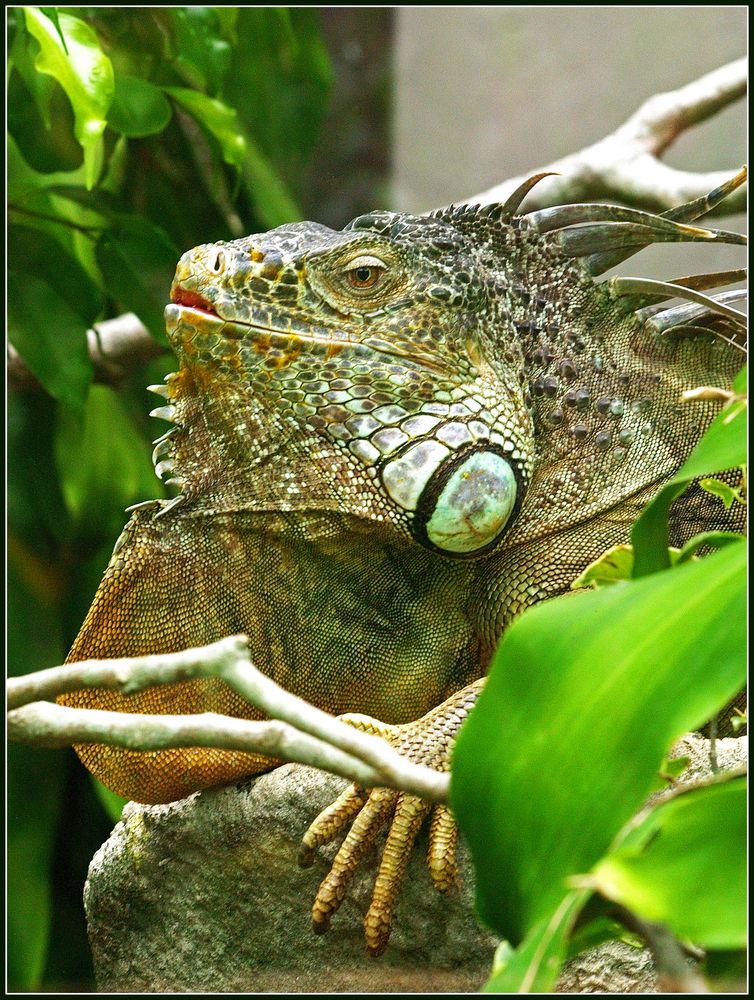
<point x="192" y="301"/>
<point x="183" y="297"/>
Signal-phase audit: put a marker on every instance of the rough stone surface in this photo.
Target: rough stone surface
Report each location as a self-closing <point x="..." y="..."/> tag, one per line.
<point x="205" y="895"/>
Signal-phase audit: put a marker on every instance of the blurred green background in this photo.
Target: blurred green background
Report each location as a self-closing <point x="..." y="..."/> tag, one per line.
<point x="137" y="133"/>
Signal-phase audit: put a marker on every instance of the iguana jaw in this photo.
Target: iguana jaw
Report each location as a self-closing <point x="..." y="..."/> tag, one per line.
<point x="191" y="317"/>
<point x="184" y="315"/>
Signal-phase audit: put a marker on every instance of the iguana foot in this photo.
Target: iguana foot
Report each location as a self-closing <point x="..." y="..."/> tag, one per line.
<point x="427" y="741"/>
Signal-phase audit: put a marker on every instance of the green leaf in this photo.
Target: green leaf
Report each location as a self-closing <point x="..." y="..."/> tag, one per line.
<point x="227" y="17"/>
<point x="271" y="198"/>
<point x="722" y="447"/>
<point x="611" y="567"/>
<point x="52" y="13"/>
<point x="103" y="463"/>
<point x="35" y="782"/>
<point x="138" y="260"/>
<point x="50" y="336"/>
<point x="110" y="802"/>
<point x="39" y="86"/>
<point x="85" y="74"/>
<point x="139" y="108"/>
<point x="218" y="119"/>
<point x="282" y="60"/>
<point x="727" y="493"/>
<point x="690" y="872"/>
<point x="201" y="51"/>
<point x="534" y="966"/>
<point x="669" y="771"/>
<point x="35" y="786"/>
<point x="726" y="971"/>
<point x="273" y="202"/>
<point x="610" y="676"/>
<point x="706" y="539"/>
<point x="597" y="932"/>
<point x="36" y="252"/>
<point x="24" y="181"/>
<point x="674" y="767"/>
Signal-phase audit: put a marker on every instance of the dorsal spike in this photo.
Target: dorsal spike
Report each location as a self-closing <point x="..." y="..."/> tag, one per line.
<point x="563" y="216"/>
<point x="648" y="286"/>
<point x="511" y="205"/>
<point x="616" y="238"/>
<point x="700" y="206"/>
<point x="598" y="263"/>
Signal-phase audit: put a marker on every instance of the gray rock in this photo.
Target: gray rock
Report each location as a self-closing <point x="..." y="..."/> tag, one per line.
<point x="205" y="894"/>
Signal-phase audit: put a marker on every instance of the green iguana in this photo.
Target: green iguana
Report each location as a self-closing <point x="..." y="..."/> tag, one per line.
<point x="389" y="441"/>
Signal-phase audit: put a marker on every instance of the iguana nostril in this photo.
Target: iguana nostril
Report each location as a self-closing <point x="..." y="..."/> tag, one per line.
<point x="218" y="262"/>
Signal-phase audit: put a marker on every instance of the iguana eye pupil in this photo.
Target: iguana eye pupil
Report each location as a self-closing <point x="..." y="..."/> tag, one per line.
<point x="364" y="277"/>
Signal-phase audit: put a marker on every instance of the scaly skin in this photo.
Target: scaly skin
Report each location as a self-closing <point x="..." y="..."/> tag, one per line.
<point x="389" y="442"/>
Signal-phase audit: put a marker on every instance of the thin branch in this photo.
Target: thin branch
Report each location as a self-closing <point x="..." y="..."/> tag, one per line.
<point x="116" y="347"/>
<point x="91" y="231"/>
<point x="675" y="973"/>
<point x="303" y="733"/>
<point x="625" y="165"/>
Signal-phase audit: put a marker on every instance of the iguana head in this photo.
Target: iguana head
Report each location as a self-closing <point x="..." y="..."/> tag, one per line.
<point x="354" y="371"/>
<point x="429" y="373"/>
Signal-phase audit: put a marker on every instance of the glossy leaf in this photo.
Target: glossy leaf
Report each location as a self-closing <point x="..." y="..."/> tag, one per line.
<point x="112" y="804"/>
<point x="40" y="86"/>
<point x="540" y="784"/>
<point x="52" y="13"/>
<point x="220" y="120"/>
<point x="705" y="539"/>
<point x="596" y="932"/>
<point x="36" y="252"/>
<point x="612" y="567"/>
<point x="724" y="491"/>
<point x="35" y="778"/>
<point x="201" y="51"/>
<point x="281" y="60"/>
<point x="50" y="336"/>
<point x="138" y="260"/>
<point x="24" y="180"/>
<point x="271" y="198"/>
<point x="103" y="464"/>
<point x="139" y="108"/>
<point x="689" y="871"/>
<point x="85" y="74"/>
<point x="722" y="447"/>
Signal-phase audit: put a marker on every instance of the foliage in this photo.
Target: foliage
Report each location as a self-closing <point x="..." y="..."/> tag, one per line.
<point x="604" y="682"/>
<point x="132" y="137"/>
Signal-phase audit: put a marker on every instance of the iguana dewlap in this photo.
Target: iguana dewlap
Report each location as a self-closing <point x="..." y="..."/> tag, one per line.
<point x="388" y="441"/>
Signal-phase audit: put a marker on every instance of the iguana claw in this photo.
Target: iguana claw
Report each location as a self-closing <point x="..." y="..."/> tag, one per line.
<point x="428" y="741"/>
<point x="373" y="809"/>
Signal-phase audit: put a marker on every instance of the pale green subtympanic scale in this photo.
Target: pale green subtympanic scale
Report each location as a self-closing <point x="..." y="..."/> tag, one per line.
<point x="473" y="506"/>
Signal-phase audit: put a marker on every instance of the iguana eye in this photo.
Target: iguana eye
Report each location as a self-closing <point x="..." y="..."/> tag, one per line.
<point x="365" y="272"/>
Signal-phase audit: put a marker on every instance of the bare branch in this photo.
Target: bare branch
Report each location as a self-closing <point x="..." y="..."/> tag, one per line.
<point x="625" y="165"/>
<point x="303" y="733"/>
<point x="116" y="347"/>
<point x="675" y="972"/>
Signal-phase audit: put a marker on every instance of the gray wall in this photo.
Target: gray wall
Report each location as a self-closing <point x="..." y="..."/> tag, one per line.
<point x="485" y="93"/>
